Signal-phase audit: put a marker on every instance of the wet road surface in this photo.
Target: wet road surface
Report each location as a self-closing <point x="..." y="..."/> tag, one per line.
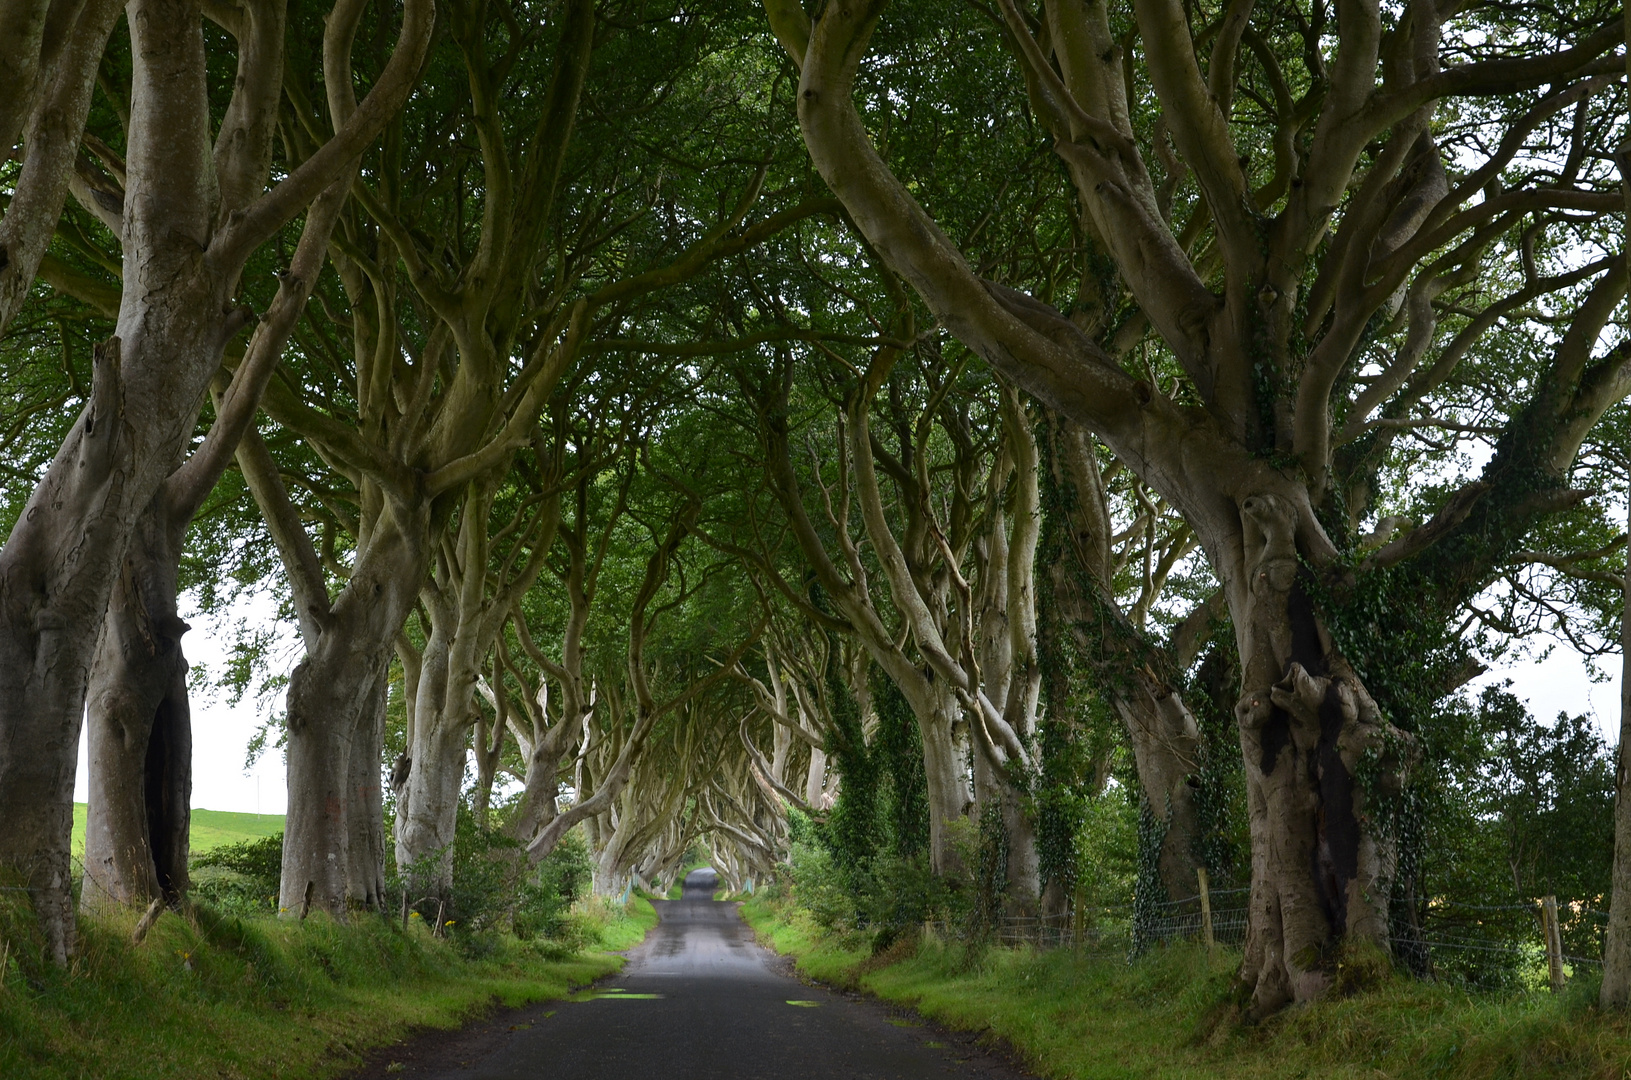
<point x="698" y="1000"/>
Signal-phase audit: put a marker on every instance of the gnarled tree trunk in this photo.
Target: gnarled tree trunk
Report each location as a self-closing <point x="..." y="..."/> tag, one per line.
<point x="140" y="735"/>
<point x="191" y="215"/>
<point x="1321" y="870"/>
<point x="139" y="717"/>
<point x="334" y="706"/>
<point x="1164" y="736"/>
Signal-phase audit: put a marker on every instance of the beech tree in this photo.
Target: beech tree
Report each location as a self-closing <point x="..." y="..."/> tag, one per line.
<point x="1113" y="642"/>
<point x="1268" y="296"/>
<point x="194" y="203"/>
<point x="1616" y="991"/>
<point x="511" y="240"/>
<point x="954" y="539"/>
<point x="138" y="717"/>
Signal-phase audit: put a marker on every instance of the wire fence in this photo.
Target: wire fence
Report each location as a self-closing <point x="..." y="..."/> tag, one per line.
<point x="1493" y="946"/>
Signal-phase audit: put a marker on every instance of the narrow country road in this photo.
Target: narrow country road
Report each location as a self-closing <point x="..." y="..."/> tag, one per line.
<point x="698" y="1000"/>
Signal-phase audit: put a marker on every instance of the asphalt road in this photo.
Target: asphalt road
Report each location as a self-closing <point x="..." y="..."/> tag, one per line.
<point x="698" y="1000"/>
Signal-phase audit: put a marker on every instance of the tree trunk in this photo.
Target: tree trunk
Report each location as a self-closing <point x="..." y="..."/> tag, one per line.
<point x="365" y="811"/>
<point x="481" y="799"/>
<point x="1166" y="741"/>
<point x="944" y="774"/>
<point x="428" y="814"/>
<point x="140" y="721"/>
<point x="1164" y="736"/>
<point x="1022" y="892"/>
<point x="334" y="699"/>
<point x="140" y="733"/>
<point x="610" y="871"/>
<point x="1616" y="992"/>
<point x="815" y="780"/>
<point x="60" y="564"/>
<point x="1321" y="870"/>
<point x="542" y="785"/>
<point x="330" y="709"/>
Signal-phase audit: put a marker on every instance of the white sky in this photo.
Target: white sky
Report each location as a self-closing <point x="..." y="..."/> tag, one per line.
<point x="221" y="733"/>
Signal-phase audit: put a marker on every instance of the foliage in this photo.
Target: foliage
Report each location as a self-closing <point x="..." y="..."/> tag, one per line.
<point x="1149" y="894"/>
<point x="1515" y="810"/>
<point x="1223" y="836"/>
<point x="247" y="881"/>
<point x="495" y="890"/>
<point x="865" y="868"/>
<point x="898" y="748"/>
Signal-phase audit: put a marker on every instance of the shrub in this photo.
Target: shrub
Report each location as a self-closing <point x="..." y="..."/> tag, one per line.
<point x="240" y="878"/>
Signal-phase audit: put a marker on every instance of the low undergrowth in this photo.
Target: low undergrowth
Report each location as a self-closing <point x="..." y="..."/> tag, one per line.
<point x="1098" y="1018"/>
<point x="220" y="995"/>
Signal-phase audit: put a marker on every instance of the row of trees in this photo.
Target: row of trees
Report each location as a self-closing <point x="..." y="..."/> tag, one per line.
<point x="1226" y="385"/>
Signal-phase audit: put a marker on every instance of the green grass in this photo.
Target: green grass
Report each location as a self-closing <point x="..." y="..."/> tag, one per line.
<point x="256" y="999"/>
<point x="210" y="828"/>
<point x="1099" y="1018"/>
<point x="620" y="930"/>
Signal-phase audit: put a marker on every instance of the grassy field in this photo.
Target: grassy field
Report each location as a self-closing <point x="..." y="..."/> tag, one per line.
<point x="210" y="828"/>
<point x="1166" y="1017"/>
<point x="261" y="999"/>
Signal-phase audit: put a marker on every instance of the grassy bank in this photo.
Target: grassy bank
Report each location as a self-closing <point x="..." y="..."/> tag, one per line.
<point x="219" y="996"/>
<point x="209" y="828"/>
<point x="1098" y="1018"/>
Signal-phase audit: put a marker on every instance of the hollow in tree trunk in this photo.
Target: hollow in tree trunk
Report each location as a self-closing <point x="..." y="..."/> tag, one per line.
<point x="139" y="731"/>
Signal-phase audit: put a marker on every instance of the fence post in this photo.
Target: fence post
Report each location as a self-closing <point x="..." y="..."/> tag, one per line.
<point x="1076" y="921"/>
<point x="1206" y="907"/>
<point x="1554" y="942"/>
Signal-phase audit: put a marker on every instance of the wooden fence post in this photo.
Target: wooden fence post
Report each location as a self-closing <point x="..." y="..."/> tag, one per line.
<point x="1554" y="942"/>
<point x="1076" y="921"/>
<point x="1206" y="907"/>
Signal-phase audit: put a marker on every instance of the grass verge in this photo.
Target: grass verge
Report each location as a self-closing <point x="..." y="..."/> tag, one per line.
<point x="249" y="998"/>
<point x="1098" y="1018"/>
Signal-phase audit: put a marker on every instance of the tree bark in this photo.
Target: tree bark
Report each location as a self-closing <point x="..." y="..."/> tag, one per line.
<point x="1616" y="991"/>
<point x="427" y="817"/>
<point x="333" y="705"/>
<point x="140" y="735"/>
<point x="1166" y="741"/>
<point x="46" y="98"/>
<point x="1321" y="870"/>
<point x="944" y="772"/>
<point x="365" y="809"/>
<point x="139" y="715"/>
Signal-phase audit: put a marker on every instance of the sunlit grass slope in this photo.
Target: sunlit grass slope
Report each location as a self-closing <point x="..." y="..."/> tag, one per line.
<point x="254" y="999"/>
<point x="1099" y="1018"/>
<point x="210" y="828"/>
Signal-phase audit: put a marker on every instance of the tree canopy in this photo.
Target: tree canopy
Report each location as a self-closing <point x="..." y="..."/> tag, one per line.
<point x="1012" y="452"/>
